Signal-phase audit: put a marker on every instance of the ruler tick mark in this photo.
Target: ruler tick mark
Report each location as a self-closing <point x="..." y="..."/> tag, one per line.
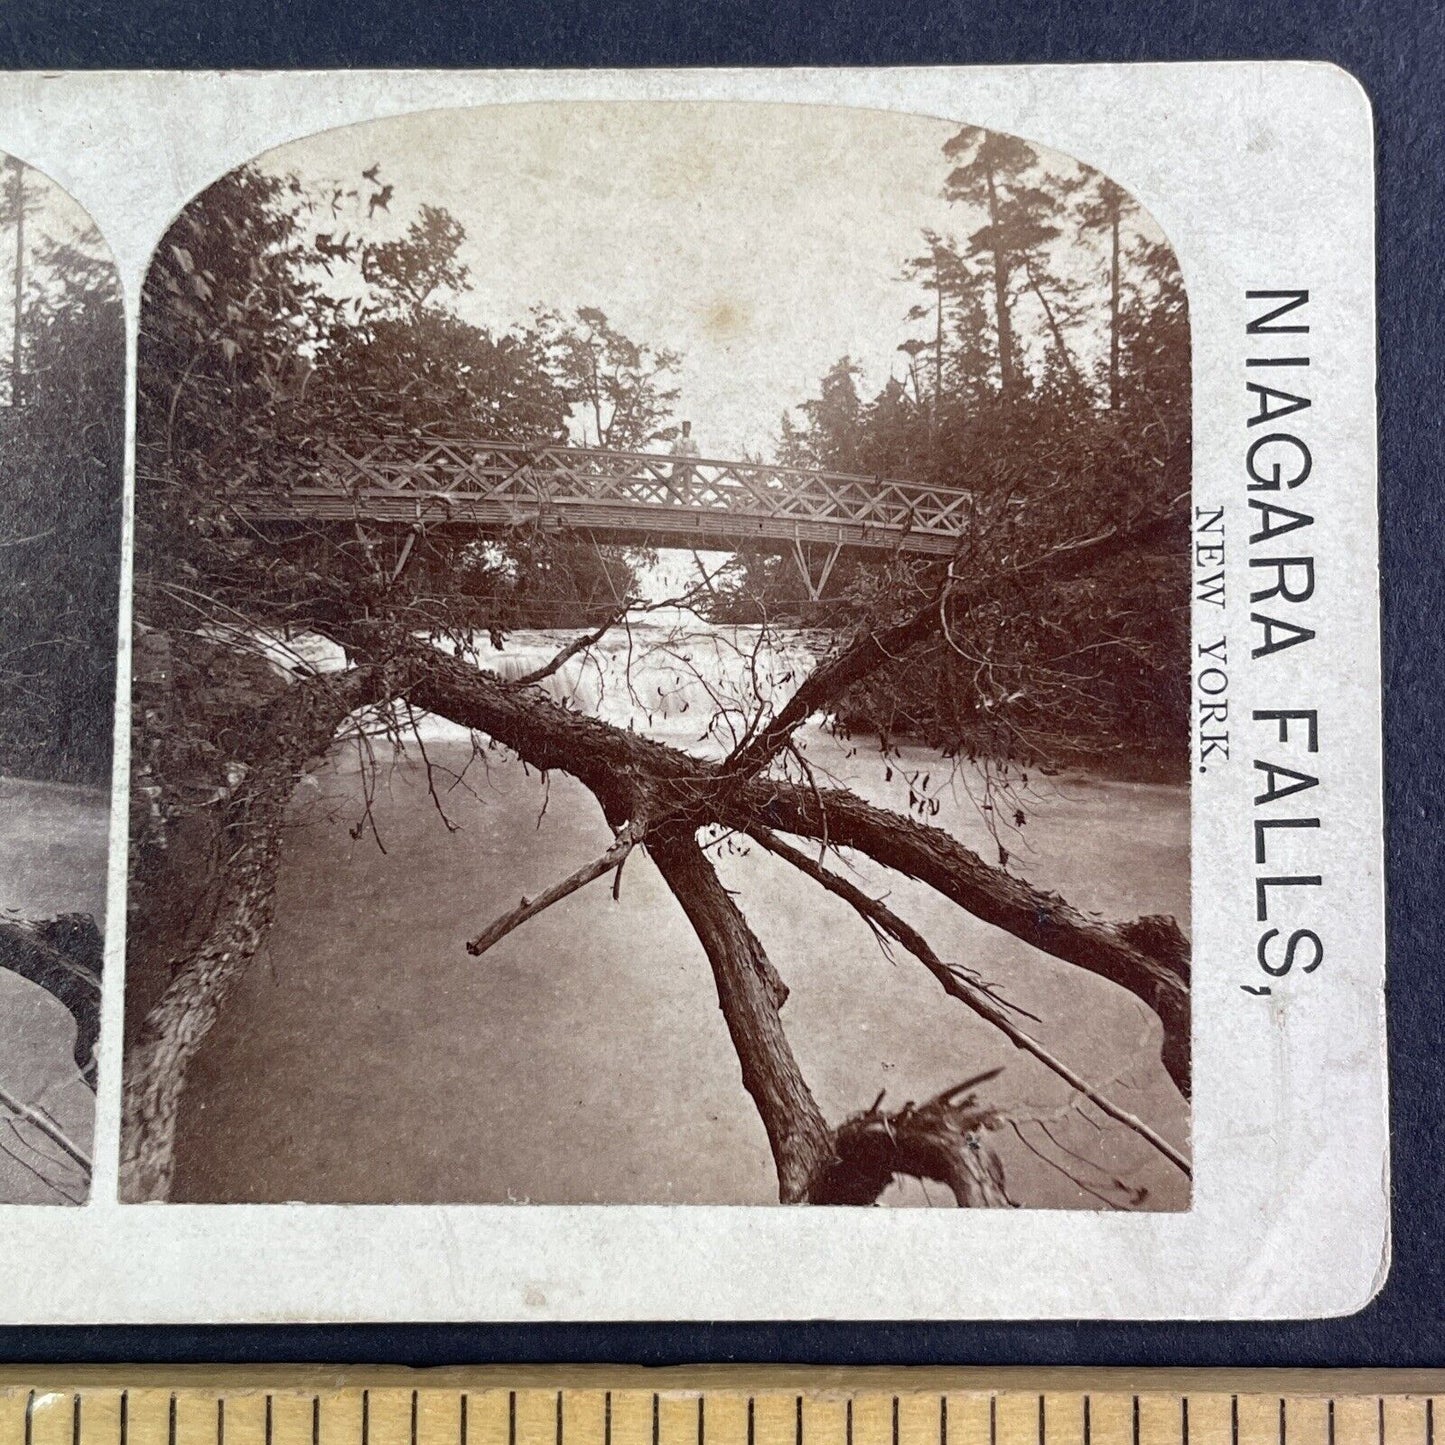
<point x="1330" y="1424"/>
<point x="656" y="1426"/>
<point x="511" y="1417"/>
<point x="993" y="1420"/>
<point x="75" y="1420"/>
<point x="413" y="1417"/>
<point x="1043" y="1435"/>
<point x="607" y="1419"/>
<point x="462" y="1421"/>
<point x="316" y="1420"/>
<point x="895" y="1419"/>
<point x="559" y="1419"/>
<point x="943" y="1420"/>
<point x="363" y="1419"/>
<point x="1283" y="1426"/>
<point x="1234" y="1419"/>
<point x="1430" y="1422"/>
<point x="1184" y="1420"/>
<point x="1382" y="1419"/>
<point x="1086" y="1420"/>
<point x="750" y="1421"/>
<point x="171" y="1420"/>
<point x="220" y="1420"/>
<point x="1136" y="1420"/>
<point x="798" y="1422"/>
<point x="30" y="1418"/>
<point x="701" y="1428"/>
<point x="847" y="1423"/>
<point x="124" y="1416"/>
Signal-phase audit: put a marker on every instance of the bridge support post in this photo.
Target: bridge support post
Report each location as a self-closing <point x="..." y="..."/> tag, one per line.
<point x="815" y="587"/>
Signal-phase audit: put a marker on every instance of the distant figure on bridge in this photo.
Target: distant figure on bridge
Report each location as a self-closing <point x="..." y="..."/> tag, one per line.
<point x="683" y="472"/>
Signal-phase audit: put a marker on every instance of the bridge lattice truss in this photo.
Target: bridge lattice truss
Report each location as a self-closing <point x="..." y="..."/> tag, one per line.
<point x="620" y="496"/>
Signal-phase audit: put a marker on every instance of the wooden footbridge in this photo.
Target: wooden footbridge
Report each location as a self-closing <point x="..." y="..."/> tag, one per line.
<point x="622" y="497"/>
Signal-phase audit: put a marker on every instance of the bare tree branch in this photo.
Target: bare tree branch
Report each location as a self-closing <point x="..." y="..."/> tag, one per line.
<point x="627" y="839"/>
<point x="969" y="991"/>
<point x="801" y="1141"/>
<point x="566" y="654"/>
<point x="44" y="1124"/>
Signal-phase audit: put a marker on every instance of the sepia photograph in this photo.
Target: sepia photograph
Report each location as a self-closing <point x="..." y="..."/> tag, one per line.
<point x="62" y="448"/>
<point x="661" y="670"/>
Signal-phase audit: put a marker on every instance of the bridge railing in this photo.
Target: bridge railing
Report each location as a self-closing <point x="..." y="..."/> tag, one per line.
<point x="530" y="474"/>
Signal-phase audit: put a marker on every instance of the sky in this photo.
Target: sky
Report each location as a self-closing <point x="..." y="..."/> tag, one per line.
<point x="763" y="242"/>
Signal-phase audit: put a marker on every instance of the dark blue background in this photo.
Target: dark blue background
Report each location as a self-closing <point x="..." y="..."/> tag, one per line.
<point x="1397" y="53"/>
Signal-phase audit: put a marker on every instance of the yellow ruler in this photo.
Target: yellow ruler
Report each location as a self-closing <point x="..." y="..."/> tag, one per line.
<point x="251" y="1405"/>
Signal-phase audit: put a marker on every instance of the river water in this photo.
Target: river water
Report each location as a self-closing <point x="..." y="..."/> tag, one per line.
<point x="366" y="1057"/>
<point x="52" y="860"/>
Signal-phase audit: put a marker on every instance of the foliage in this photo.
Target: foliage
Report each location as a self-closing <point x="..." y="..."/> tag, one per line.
<point x="263" y="340"/>
<point x="1059" y="396"/>
<point x="617" y="383"/>
<point x="62" y="455"/>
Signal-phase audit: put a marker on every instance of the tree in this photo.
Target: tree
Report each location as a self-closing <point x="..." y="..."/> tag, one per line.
<point x="988" y="172"/>
<point x="958" y="349"/>
<point x="409" y="271"/>
<point x="62" y="452"/>
<point x="617" y="382"/>
<point x="1154" y="352"/>
<point x="833" y="419"/>
<point x="429" y="372"/>
<point x="1104" y="210"/>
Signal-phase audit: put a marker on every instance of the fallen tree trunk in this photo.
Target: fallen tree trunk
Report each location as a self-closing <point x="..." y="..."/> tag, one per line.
<point x="801" y="1141"/>
<point x="63" y="956"/>
<point x="295" y="730"/>
<point x="1147" y="956"/>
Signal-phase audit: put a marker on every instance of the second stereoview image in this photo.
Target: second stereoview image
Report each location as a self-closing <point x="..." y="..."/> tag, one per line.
<point x="62" y="450"/>
<point x="660" y="671"/>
